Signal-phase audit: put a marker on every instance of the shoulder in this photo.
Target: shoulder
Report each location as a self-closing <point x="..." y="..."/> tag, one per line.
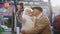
<point x="10" y="9"/>
<point x="1" y="9"/>
<point x="44" y="18"/>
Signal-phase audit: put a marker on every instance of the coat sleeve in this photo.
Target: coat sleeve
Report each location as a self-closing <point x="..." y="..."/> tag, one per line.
<point x="39" y="26"/>
<point x="19" y="17"/>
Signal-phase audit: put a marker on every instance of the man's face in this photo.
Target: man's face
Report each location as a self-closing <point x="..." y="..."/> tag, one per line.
<point x="6" y="5"/>
<point x="36" y="12"/>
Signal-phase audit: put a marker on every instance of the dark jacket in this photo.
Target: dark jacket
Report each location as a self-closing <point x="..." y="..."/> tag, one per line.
<point x="56" y="23"/>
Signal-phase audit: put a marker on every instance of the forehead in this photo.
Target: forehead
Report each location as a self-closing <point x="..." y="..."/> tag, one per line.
<point x="27" y="10"/>
<point x="6" y="3"/>
<point x="35" y="10"/>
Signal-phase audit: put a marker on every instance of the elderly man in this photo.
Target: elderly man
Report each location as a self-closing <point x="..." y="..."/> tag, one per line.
<point x="6" y="8"/>
<point x="41" y="24"/>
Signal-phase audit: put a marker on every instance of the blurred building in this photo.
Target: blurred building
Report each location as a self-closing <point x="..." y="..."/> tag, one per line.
<point x="45" y="4"/>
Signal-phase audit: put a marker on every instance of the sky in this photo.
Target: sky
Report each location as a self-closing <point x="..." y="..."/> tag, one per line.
<point x="55" y="2"/>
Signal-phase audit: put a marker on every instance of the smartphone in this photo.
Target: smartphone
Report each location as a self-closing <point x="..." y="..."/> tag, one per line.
<point x="21" y="7"/>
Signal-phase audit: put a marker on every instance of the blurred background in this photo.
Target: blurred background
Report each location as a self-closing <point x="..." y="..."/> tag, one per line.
<point x="51" y="8"/>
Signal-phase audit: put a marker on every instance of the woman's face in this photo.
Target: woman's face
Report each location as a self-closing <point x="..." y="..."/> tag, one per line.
<point x="28" y="12"/>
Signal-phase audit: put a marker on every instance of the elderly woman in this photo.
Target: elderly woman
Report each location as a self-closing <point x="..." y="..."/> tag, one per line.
<point x="28" y="22"/>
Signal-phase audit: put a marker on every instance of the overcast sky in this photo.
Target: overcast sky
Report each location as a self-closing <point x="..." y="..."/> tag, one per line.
<point x="55" y="2"/>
